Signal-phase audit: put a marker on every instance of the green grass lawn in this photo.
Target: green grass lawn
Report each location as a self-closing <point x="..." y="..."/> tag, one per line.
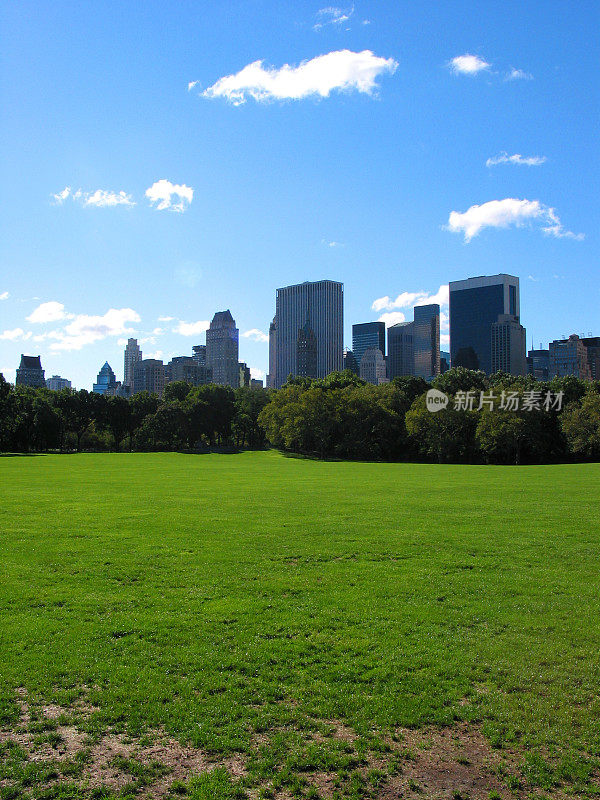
<point x="239" y="603"/>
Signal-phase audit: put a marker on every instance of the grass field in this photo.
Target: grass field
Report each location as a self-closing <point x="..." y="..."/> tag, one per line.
<point x="253" y="625"/>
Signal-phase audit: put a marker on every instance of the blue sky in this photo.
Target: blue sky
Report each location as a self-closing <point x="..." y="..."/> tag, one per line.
<point x="151" y="177"/>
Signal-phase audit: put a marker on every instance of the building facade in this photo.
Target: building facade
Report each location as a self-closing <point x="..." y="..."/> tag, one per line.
<point x="132" y="355"/>
<point x="306" y="352"/>
<point x="106" y="382"/>
<point x="367" y="336"/>
<point x="592" y="346"/>
<point x="508" y="346"/>
<point x="30" y="372"/>
<point x="149" y="376"/>
<point x="349" y="362"/>
<point x="538" y="364"/>
<point x="475" y="305"/>
<point x="243" y="375"/>
<point x="426" y="341"/>
<point x="400" y="358"/>
<point x="222" y="350"/>
<point x="569" y="357"/>
<point x="57" y="384"/>
<point x="199" y="351"/>
<point x="271" y="379"/>
<point x="372" y="366"/>
<point x="320" y="305"/>
<point x="186" y="368"/>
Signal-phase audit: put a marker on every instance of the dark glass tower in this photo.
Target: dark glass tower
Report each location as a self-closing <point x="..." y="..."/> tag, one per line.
<point x="367" y="336"/>
<point x="222" y="345"/>
<point x="476" y="304"/>
<point x="106" y="382"/>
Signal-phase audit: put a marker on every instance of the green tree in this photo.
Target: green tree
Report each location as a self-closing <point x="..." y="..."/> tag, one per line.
<point x="460" y="379"/>
<point x="580" y="424"/>
<point x="177" y="390"/>
<point x="444" y="436"/>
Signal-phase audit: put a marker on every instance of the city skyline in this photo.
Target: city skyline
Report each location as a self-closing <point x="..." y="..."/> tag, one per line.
<point x="430" y="146"/>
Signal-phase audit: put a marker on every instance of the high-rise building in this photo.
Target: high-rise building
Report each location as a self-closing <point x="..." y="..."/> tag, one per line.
<point x="106" y="382"/>
<point x="272" y="353"/>
<point x="414" y="347"/>
<point x="592" y="346"/>
<point x="306" y="352"/>
<point x="320" y="305"/>
<point x="149" y="376"/>
<point x="186" y="368"/>
<point x="133" y="354"/>
<point x="508" y="346"/>
<point x="349" y="362"/>
<point x="538" y="364"/>
<point x="569" y="357"/>
<point x="30" y="372"/>
<point x="199" y="356"/>
<point x="366" y="336"/>
<point x="426" y="341"/>
<point x="444" y="361"/>
<point x="222" y="346"/>
<point x="373" y="367"/>
<point x="256" y="383"/>
<point x="243" y="374"/>
<point x="56" y="383"/>
<point x="400" y="359"/>
<point x="476" y="304"/>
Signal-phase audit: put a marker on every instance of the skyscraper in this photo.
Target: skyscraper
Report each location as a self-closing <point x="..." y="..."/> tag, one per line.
<point x="199" y="356"/>
<point x="30" y="372"/>
<point x="106" y="382"/>
<point x="186" y="368"/>
<point x="414" y="347"/>
<point x="222" y="346"/>
<point x="306" y="352"/>
<point x="133" y="354"/>
<point x="508" y="346"/>
<point x="367" y="335"/>
<point x="538" y="364"/>
<point x="476" y="304"/>
<point x="569" y="357"/>
<point x="56" y="383"/>
<point x="149" y="376"/>
<point x="272" y="354"/>
<point x="320" y="305"/>
<point x="372" y="366"/>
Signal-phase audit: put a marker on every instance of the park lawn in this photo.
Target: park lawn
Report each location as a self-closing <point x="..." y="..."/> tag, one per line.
<point x="241" y="604"/>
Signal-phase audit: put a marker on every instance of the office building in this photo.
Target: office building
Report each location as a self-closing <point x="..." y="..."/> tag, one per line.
<point x="57" y="384"/>
<point x="475" y="305"/>
<point x="366" y="336"/>
<point x="255" y="383"/>
<point x="186" y="368"/>
<point x="569" y="357"/>
<point x="538" y="364"/>
<point x="272" y="354"/>
<point x="372" y="366"/>
<point x="133" y="354"/>
<point x="400" y="359"/>
<point x="199" y="351"/>
<point x="592" y="346"/>
<point x="444" y="361"/>
<point x="30" y="372"/>
<point x="243" y="375"/>
<point x="106" y="382"/>
<point x="317" y="307"/>
<point x="149" y="376"/>
<point x="426" y="341"/>
<point x="306" y="352"/>
<point x="508" y="346"/>
<point x="349" y="362"/>
<point x="222" y="346"/>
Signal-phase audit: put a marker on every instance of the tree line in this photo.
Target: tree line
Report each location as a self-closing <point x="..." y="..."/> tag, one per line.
<point x="499" y="419"/>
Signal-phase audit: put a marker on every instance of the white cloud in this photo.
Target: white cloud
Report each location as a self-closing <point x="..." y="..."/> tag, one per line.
<point x="9" y="373"/>
<point x="412" y="299"/>
<point x="157" y="355"/>
<point x="392" y="318"/>
<point x="4" y="296"/>
<point x="15" y="335"/>
<point x="517" y="158"/>
<point x="100" y="198"/>
<point x="192" y="85"/>
<point x="256" y="335"/>
<point x="49" y="312"/>
<point x="445" y="340"/>
<point x="191" y="328"/>
<point x="332" y="243"/>
<point x="341" y="70"/>
<point x="518" y="75"/>
<point x="163" y="194"/>
<point x="332" y="15"/>
<point x="468" y="64"/>
<point x="166" y="319"/>
<point x="257" y="374"/>
<point x="86" y="329"/>
<point x="506" y="213"/>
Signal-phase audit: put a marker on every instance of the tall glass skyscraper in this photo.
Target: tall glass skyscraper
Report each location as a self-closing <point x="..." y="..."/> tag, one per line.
<point x="367" y="336"/>
<point x="133" y="354"/>
<point x="318" y="306"/>
<point x="222" y="346"/>
<point x="476" y="306"/>
<point x="106" y="382"/>
<point x="414" y="347"/>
